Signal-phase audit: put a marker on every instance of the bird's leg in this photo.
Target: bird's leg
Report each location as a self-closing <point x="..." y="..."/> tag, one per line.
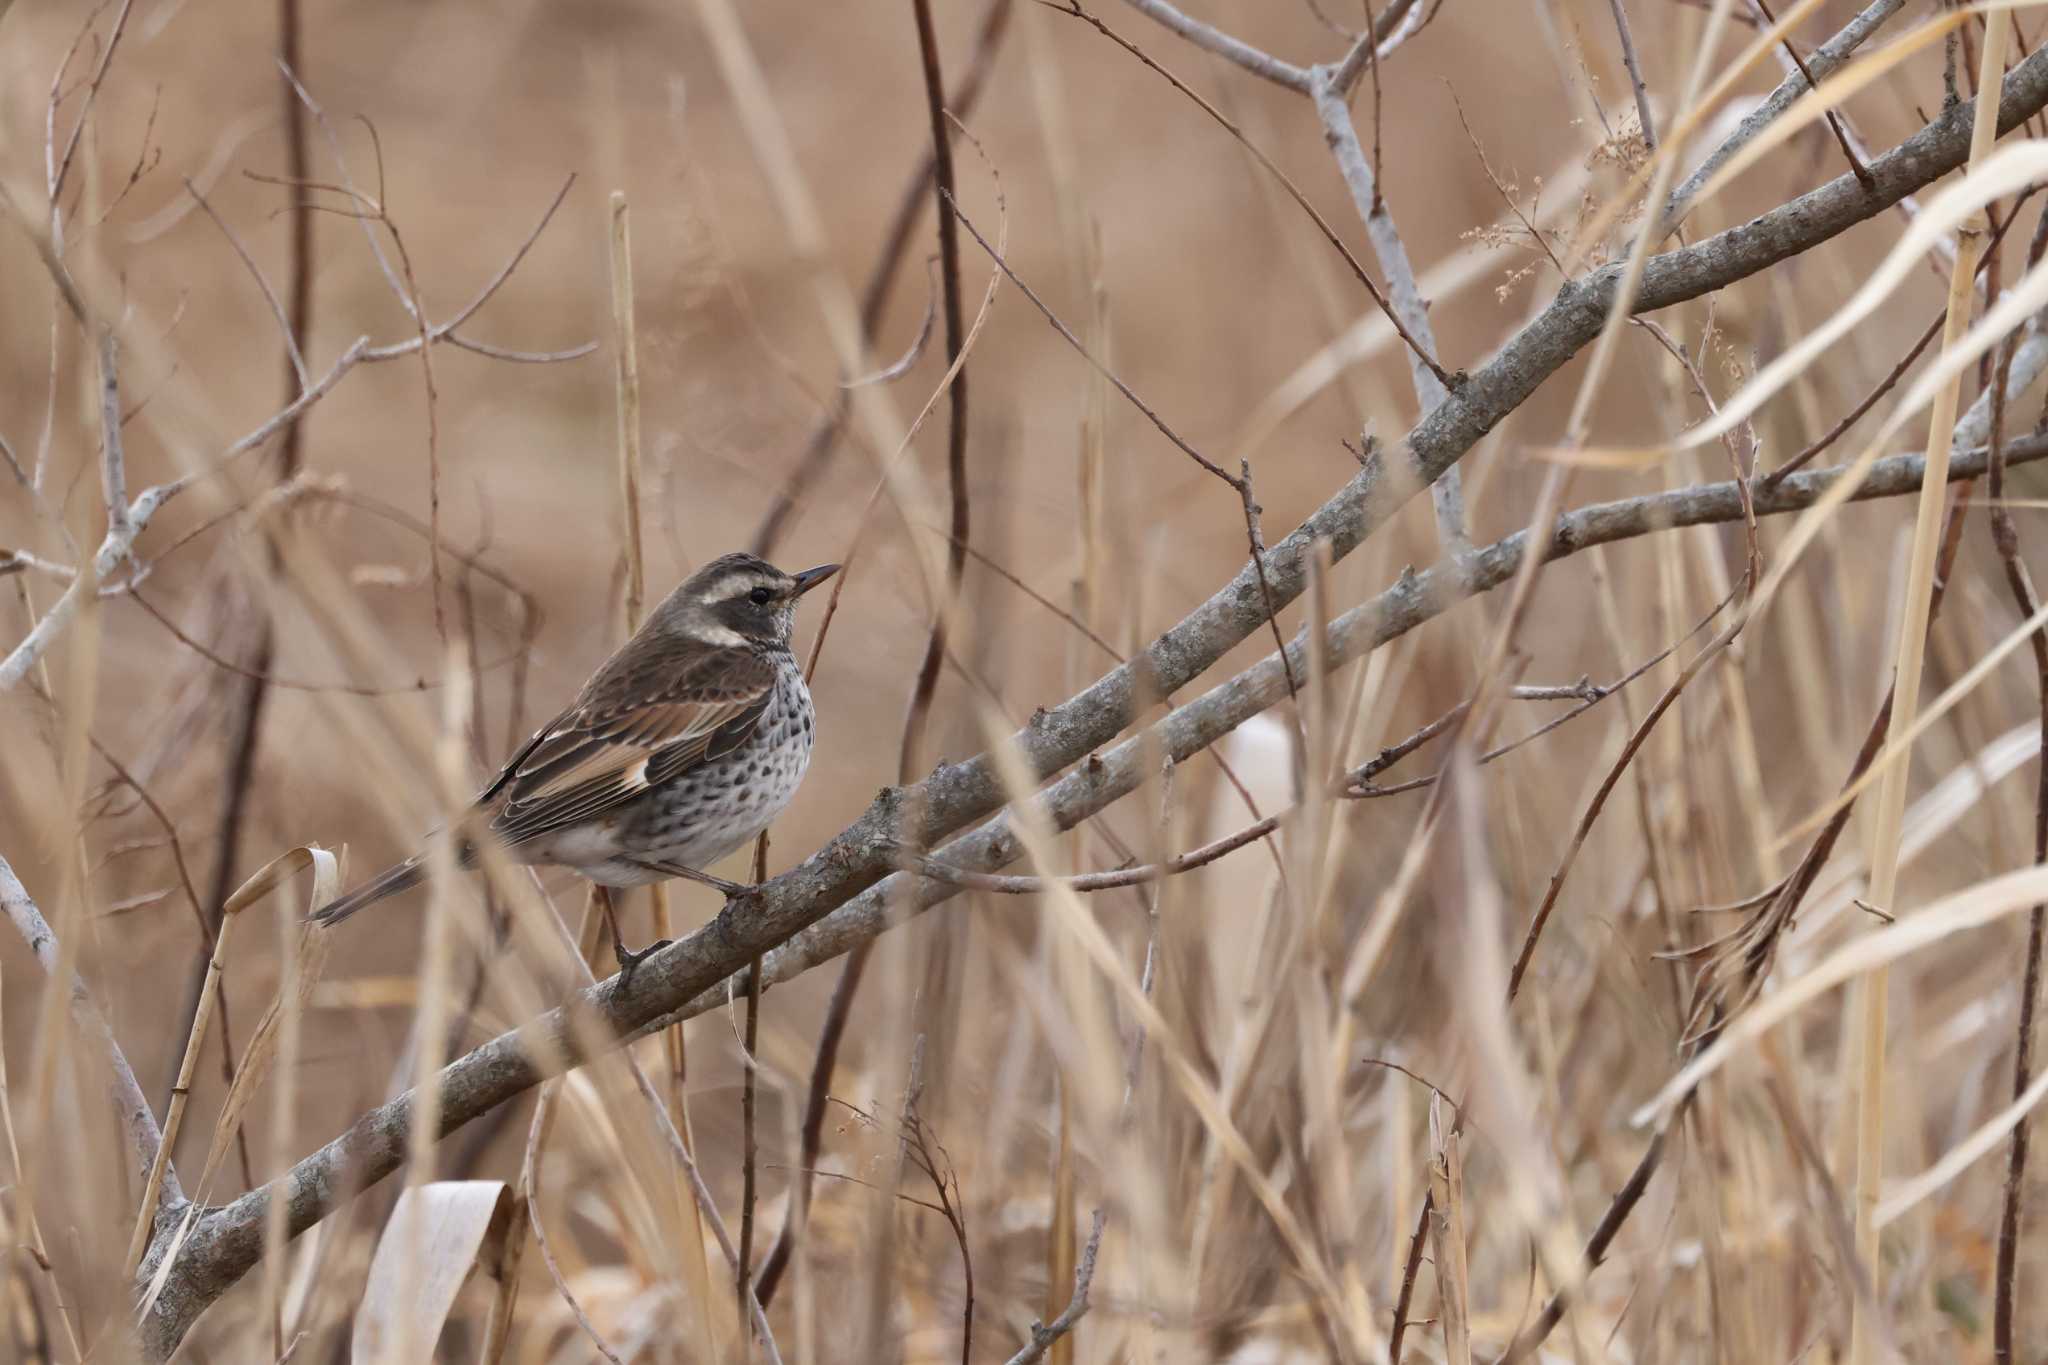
<point x="627" y="960"/>
<point x="730" y="890"/>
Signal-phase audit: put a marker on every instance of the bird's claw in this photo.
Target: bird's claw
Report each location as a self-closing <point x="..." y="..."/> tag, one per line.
<point x="630" y="959"/>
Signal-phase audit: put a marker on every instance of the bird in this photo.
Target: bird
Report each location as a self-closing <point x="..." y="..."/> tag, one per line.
<point x="682" y="747"/>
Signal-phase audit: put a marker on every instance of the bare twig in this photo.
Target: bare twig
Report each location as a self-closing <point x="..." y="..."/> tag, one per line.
<point x="1824" y="61"/>
<point x="294" y="325"/>
<point x="874" y="297"/>
<point x="1635" y="74"/>
<point x="1447" y="491"/>
<point x="1092" y="881"/>
<point x="1868" y="401"/>
<point x="1208" y="465"/>
<point x="927" y="680"/>
<point x="1806" y="73"/>
<point x="138" y="1124"/>
<point x="1408" y="338"/>
<point x="1214" y="40"/>
<point x="92" y="91"/>
<point x="1358" y="782"/>
<point x="2005" y="537"/>
<point x="1241" y="483"/>
<point x="1410" y="1271"/>
<point x="1044" y="1334"/>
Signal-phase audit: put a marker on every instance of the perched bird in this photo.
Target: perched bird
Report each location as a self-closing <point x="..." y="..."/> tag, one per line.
<point x="680" y="749"/>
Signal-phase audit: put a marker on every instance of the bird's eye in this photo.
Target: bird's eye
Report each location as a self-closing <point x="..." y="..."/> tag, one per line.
<point x="760" y="597"/>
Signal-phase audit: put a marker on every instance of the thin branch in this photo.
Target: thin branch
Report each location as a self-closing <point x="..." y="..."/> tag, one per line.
<point x="1868" y="401"/>
<point x="1635" y="74"/>
<point x="1410" y="1271"/>
<point x="927" y="680"/>
<point x="1241" y="483"/>
<point x="1384" y="32"/>
<point x="1826" y="59"/>
<point x="1446" y="492"/>
<point x="874" y="296"/>
<point x="1427" y="357"/>
<point x="138" y="1124"/>
<point x="1208" y="465"/>
<point x="293" y="332"/>
<point x="1806" y="73"/>
<point x="1214" y="40"/>
<point x="1044" y="1334"/>
<point x="1092" y="881"/>
<point x="1358" y="782"/>
<point x="119" y="543"/>
<point x="92" y="92"/>
<point x="1637" y="738"/>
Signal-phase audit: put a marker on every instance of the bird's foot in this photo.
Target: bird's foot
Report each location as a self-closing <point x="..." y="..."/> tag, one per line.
<point x="630" y="959"/>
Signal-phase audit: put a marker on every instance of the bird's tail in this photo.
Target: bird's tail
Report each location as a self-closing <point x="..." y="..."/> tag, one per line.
<point x="402" y="877"/>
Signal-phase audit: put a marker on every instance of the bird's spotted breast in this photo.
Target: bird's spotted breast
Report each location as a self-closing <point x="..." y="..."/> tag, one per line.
<point x="712" y="810"/>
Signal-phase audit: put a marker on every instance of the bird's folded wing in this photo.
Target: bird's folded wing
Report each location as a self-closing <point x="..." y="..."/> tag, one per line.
<point x="626" y="735"/>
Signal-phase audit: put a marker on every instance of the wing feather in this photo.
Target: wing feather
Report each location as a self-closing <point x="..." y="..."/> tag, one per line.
<point x="632" y="729"/>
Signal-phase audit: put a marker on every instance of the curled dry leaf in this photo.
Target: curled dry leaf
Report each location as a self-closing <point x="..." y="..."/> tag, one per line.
<point x="437" y="1234"/>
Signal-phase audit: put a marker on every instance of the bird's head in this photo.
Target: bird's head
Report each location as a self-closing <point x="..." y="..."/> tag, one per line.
<point x="737" y="600"/>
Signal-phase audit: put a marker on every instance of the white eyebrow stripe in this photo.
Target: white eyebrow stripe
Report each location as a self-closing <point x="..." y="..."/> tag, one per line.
<point x="739" y="584"/>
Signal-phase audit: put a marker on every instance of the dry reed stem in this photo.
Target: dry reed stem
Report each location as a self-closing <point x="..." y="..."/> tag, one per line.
<point x="436" y="996"/>
<point x="1447" y="1195"/>
<point x="1891" y="798"/>
<point x="626" y="381"/>
<point x="181" y="1093"/>
<point x="626" y="360"/>
<point x="2005" y="538"/>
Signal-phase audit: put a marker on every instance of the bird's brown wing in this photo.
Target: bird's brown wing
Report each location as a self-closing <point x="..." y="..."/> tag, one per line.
<point x="630" y="730"/>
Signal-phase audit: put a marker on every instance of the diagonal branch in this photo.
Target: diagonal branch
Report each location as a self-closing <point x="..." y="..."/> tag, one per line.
<point x="1403" y="292"/>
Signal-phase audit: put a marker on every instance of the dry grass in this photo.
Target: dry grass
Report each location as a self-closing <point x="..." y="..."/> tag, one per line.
<point x="1368" y="1077"/>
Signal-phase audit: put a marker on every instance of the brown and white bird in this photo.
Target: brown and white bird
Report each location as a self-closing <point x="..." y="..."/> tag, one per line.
<point x="681" y="748"/>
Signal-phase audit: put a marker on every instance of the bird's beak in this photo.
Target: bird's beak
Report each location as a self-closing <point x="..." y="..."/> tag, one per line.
<point x="811" y="578"/>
